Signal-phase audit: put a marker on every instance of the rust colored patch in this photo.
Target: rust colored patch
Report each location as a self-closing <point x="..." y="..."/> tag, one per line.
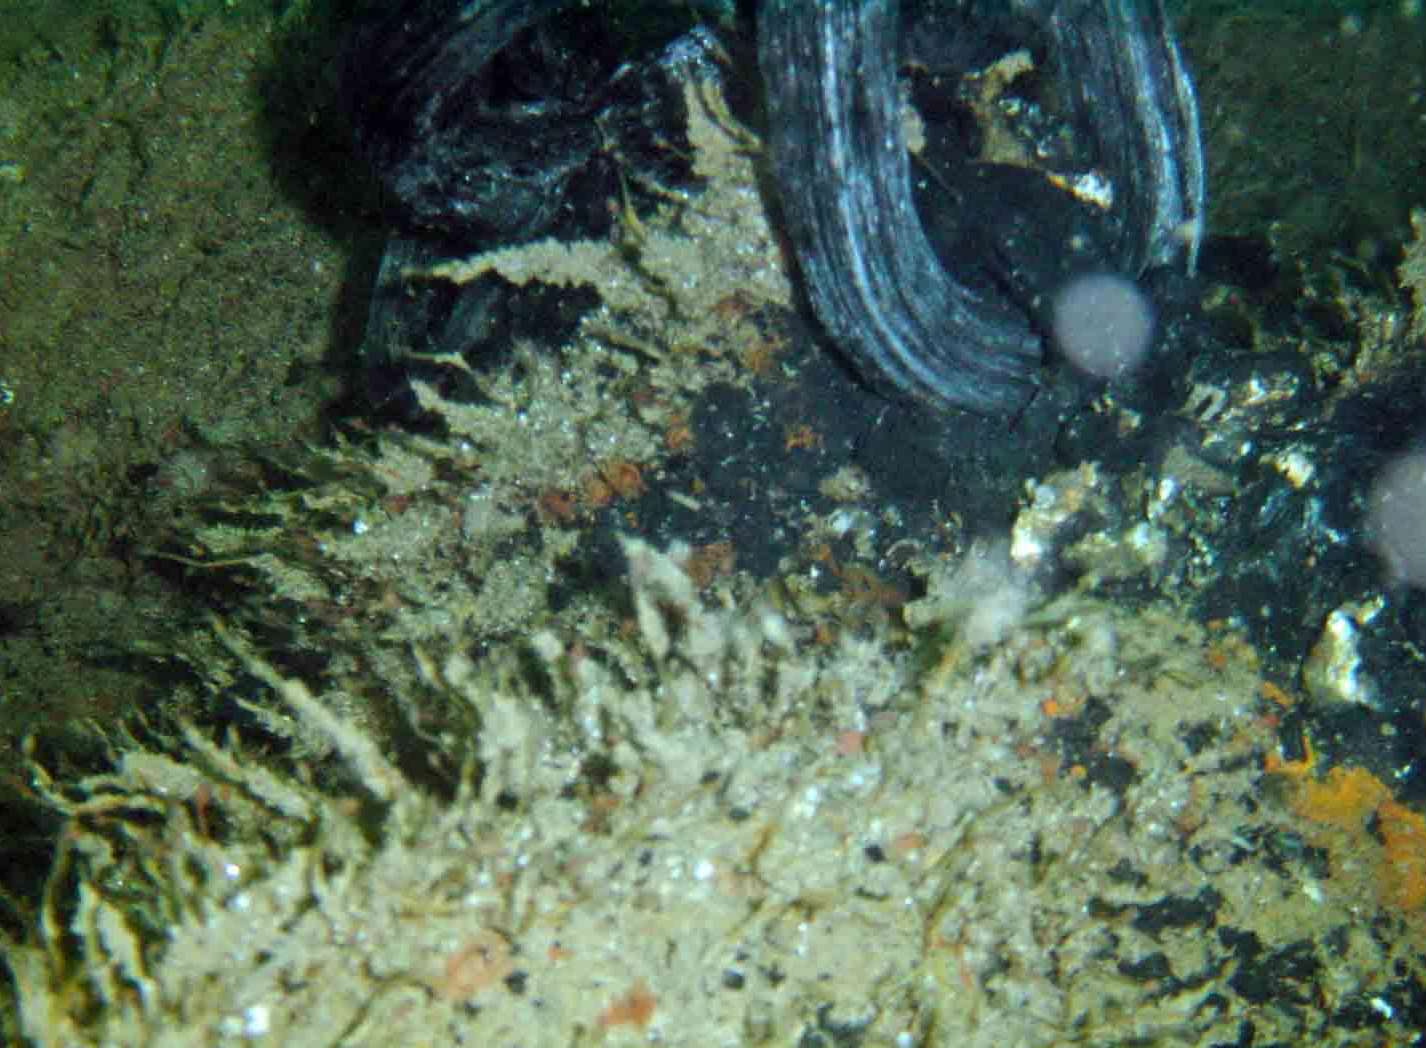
<point x="801" y="438"/>
<point x="396" y="505"/>
<point x="595" y="492"/>
<point x="910" y="841"/>
<point x="615" y="479"/>
<point x="1216" y="657"/>
<point x="557" y="506"/>
<point x="1343" y="799"/>
<point x="760" y="355"/>
<point x="481" y="963"/>
<point x="1403" y="868"/>
<point x="1270" y="691"/>
<point x="861" y="585"/>
<point x="706" y="563"/>
<point x="733" y="307"/>
<point x="634" y="1008"/>
<point x="678" y="436"/>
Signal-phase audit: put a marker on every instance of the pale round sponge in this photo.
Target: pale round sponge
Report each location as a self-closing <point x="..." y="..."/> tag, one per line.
<point x="1103" y="324"/>
<point x="1397" y="518"/>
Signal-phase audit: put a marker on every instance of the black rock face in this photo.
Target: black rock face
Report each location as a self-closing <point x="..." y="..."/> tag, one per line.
<point x="506" y="125"/>
<point x="491" y="125"/>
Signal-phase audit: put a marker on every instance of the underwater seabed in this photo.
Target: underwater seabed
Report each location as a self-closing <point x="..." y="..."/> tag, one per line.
<point x="491" y="774"/>
<point x="628" y="702"/>
<point x="702" y="822"/>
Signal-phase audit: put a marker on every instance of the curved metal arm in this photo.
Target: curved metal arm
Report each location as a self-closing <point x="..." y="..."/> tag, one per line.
<point x="830" y="75"/>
